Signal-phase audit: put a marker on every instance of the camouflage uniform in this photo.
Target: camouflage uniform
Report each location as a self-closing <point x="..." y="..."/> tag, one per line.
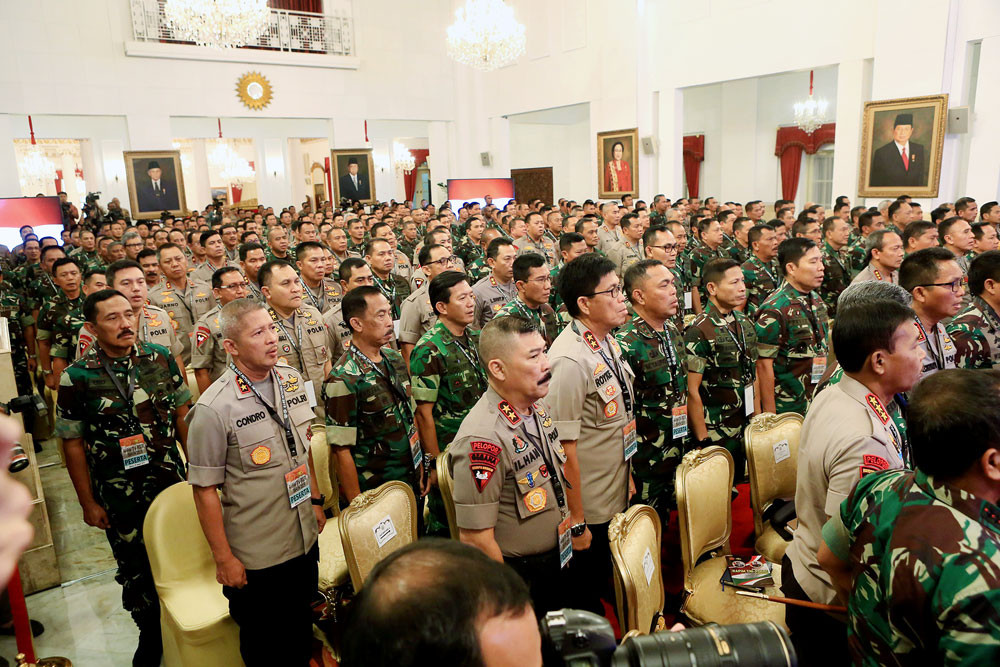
<point x="89" y="260"/>
<point x="836" y="277"/>
<point x="477" y="269"/>
<point x="792" y="329"/>
<point x="657" y="219"/>
<point x="544" y="318"/>
<point x="408" y="248"/>
<point x="976" y="334"/>
<point x="41" y="291"/>
<point x="701" y="256"/>
<point x="371" y="412"/>
<point x="926" y="557"/>
<point x="450" y="375"/>
<point x="726" y="358"/>
<point x="856" y="255"/>
<point x="90" y="407"/>
<point x="469" y="251"/>
<point x="659" y="362"/>
<point x="739" y="253"/>
<point x="13" y="307"/>
<point x="395" y="289"/>
<point x="289" y="254"/>
<point x="761" y="280"/>
<point x="61" y="319"/>
<point x="682" y="279"/>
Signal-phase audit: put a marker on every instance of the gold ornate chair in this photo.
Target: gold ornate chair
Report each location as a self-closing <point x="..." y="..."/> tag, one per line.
<point x="704" y="481"/>
<point x="772" y="446"/>
<point x="445" y="485"/>
<point x="333" y="570"/>
<point x="376" y="523"/>
<point x="635" y="553"/>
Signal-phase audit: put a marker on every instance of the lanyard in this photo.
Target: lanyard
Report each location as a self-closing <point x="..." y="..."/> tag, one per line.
<point x="297" y="343"/>
<point x="764" y="268"/>
<point x="667" y="349"/>
<point x="133" y="373"/>
<point x="539" y="445"/>
<point x="312" y="297"/>
<point x="389" y="294"/>
<point x="741" y="345"/>
<point x="284" y="422"/>
<point x="902" y="404"/>
<point x="389" y="375"/>
<point x="144" y="316"/>
<point x="532" y="315"/>
<point x="473" y="357"/>
<point x="507" y="295"/>
<point x="615" y="370"/>
<point x="811" y="316"/>
<point x="934" y="349"/>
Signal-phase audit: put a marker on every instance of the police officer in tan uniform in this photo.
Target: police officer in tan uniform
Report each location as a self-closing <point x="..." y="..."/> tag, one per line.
<point x="208" y="356"/>
<point x="184" y="300"/>
<point x="318" y="290"/>
<point x="252" y="431"/>
<point x="593" y="406"/>
<point x="507" y="464"/>
<point x="354" y="272"/>
<point x="416" y="314"/>
<point x="496" y="289"/>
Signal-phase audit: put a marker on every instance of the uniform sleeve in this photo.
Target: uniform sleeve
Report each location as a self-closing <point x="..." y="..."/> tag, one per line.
<point x="70" y="410"/>
<point x="476" y="491"/>
<point x="176" y="347"/>
<point x="853" y="461"/>
<point x="409" y="322"/>
<point x="341" y="413"/>
<point x="837" y="539"/>
<point x="182" y="394"/>
<point x="203" y="346"/>
<point x="967" y="606"/>
<point x="568" y="391"/>
<point x="208" y="443"/>
<point x="971" y="348"/>
<point x="44" y="330"/>
<point x="769" y="333"/>
<point x="698" y="349"/>
<point x="62" y="341"/>
<point x="425" y="373"/>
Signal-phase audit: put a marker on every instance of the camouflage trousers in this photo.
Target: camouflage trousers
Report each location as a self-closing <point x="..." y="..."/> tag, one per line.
<point x="736" y="449"/>
<point x="654" y="466"/>
<point x="437" y="518"/>
<point x="139" y="595"/>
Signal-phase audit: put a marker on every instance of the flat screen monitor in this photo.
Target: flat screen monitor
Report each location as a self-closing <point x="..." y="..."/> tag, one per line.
<point x="44" y="214"/>
<point x="463" y="190"/>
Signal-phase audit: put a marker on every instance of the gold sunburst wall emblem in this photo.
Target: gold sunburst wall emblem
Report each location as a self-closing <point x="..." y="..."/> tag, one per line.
<point x="254" y="90"/>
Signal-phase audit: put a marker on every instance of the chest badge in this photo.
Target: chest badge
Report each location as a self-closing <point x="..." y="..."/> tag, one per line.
<point x="519" y="445"/>
<point x="611" y="409"/>
<point x="260" y="455"/>
<point x="535" y="500"/>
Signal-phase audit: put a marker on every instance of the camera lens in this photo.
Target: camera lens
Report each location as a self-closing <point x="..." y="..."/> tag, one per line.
<point x="18" y="459"/>
<point x="747" y="645"/>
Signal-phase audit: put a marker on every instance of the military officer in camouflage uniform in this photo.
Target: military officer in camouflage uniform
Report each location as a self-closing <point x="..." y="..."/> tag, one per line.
<point x="470" y="248"/>
<point x="495" y="290"/>
<point x="184" y="300"/>
<point x="534" y="284"/>
<point x="792" y="329"/>
<point x="380" y="257"/>
<point x="417" y="313"/>
<point x="369" y="409"/>
<point x="654" y="349"/>
<point x="976" y="329"/>
<point x="448" y="378"/>
<point x="837" y="271"/>
<point x="209" y="358"/>
<point x="41" y="289"/>
<point x="740" y="249"/>
<point x="723" y="392"/>
<point x="930" y="594"/>
<point x="61" y="319"/>
<point x="867" y="223"/>
<point x="760" y="272"/>
<point x="510" y="489"/>
<point x="710" y="248"/>
<point x="120" y="416"/>
<point x="21" y="330"/>
<point x="277" y="245"/>
<point x="318" y="290"/>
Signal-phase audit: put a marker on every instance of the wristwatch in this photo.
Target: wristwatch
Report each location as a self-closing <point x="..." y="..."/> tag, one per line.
<point x="318" y="501"/>
<point x="578" y="530"/>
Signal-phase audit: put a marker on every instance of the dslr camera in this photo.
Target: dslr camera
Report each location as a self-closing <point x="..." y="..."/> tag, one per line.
<point x="27" y="403"/>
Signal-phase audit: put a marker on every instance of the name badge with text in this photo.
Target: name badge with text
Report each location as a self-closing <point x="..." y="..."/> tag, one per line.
<point x="297" y="483"/>
<point x="134" y="451"/>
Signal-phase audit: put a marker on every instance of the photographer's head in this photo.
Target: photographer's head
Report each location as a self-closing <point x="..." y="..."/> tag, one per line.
<point x="414" y="608"/>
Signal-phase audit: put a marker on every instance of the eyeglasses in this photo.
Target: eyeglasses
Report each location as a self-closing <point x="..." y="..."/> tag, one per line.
<point x="669" y="247"/>
<point x="233" y="286"/>
<point x="956" y="286"/>
<point x="444" y="260"/>
<point x="613" y="292"/>
<point x="540" y="280"/>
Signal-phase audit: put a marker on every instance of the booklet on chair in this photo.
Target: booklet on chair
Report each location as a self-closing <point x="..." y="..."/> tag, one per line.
<point x="754" y="573"/>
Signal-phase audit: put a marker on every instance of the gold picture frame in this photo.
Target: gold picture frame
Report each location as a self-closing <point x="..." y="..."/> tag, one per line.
<point x="343" y="185"/>
<point x="149" y="198"/>
<point x="617" y="178"/>
<point x="884" y="172"/>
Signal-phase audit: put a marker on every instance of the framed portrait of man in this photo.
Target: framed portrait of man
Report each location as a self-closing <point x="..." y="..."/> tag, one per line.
<point x="352" y="175"/>
<point x="155" y="183"/>
<point x="901" y="145"/>
<point x="617" y="168"/>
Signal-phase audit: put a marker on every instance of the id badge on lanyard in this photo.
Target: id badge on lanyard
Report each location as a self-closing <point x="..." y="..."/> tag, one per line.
<point x="297" y="483"/>
<point x="679" y="422"/>
<point x="818" y="370"/>
<point x="415" y="451"/>
<point x="565" y="541"/>
<point x="134" y="452"/>
<point x="630" y="439"/>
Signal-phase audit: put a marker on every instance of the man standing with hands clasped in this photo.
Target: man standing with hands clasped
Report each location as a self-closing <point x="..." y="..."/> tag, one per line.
<point x="250" y="435"/>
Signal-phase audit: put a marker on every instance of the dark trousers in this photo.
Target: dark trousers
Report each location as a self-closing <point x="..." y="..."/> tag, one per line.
<point x="819" y="638"/>
<point x="590" y="572"/>
<point x="274" y="612"/>
<point x="545" y="579"/>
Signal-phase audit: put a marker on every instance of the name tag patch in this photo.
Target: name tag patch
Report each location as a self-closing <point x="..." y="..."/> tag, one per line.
<point x="134" y="451"/>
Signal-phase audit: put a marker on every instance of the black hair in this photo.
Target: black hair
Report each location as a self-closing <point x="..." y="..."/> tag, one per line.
<point x="792" y="250"/>
<point x="801" y="225"/>
<point x="90" y="303"/>
<point x="756" y="232"/>
<point x="439" y="289"/>
<point x="523" y="264"/>
<point x="264" y="274"/>
<point x="424" y="255"/>
<point x="307" y="245"/>
<point x="144" y="253"/>
<point x="63" y="261"/>
<point x="347" y="267"/>
<point x="493" y="248"/>
<point x="916" y="229"/>
<point x="245" y="249"/>
<point x="47" y="248"/>
<point x="979" y="228"/>
<point x="963" y="203"/>
<point x="120" y="265"/>
<point x="986" y="208"/>
<point x="895" y="206"/>
<point x="355" y="302"/>
<point x="636" y="273"/>
<point x="218" y="273"/>
<point x="581" y="277"/>
<point x="94" y="272"/>
<point x="704" y="224"/>
<point x="370" y="246"/>
<point x="715" y="269"/>
<point x="865" y="328"/>
<point x="921" y="267"/>
<point x="939" y="214"/>
<point x="985" y="266"/>
<point x="567" y="240"/>
<point x="945" y="226"/>
<point x="206" y="235"/>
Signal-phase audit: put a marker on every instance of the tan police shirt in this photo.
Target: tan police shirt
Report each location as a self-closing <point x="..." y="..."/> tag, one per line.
<point x="624" y="255"/>
<point x="939" y="349"/>
<point x="154" y="327"/>
<point x="871" y="273"/>
<point x="235" y="444"/>
<point x="589" y="405"/>
<point x="208" y="351"/>
<point x="544" y="247"/>
<point x="416" y="316"/>
<point x="183" y="308"/>
<point x="491" y="295"/>
<point x="205" y="272"/>
<point x="302" y="344"/>
<point x="502" y="481"/>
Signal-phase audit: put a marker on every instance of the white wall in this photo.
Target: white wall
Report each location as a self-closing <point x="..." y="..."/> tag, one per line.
<point x="562" y="147"/>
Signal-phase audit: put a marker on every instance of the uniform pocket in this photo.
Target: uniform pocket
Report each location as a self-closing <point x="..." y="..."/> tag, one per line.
<point x="256" y="441"/>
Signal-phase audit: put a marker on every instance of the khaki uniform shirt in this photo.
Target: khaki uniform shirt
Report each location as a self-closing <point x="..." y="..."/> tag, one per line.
<point x="847" y="434"/>
<point x="208" y="351"/>
<point x="608" y="237"/>
<point x="153" y="328"/>
<point x="402" y="267"/>
<point x="302" y="343"/>
<point x="205" y="272"/>
<point x="490" y="297"/>
<point x="326" y="297"/>
<point x="624" y="255"/>
<point x="502" y="480"/>
<point x="416" y="316"/>
<point x="589" y="406"/>
<point x="544" y="247"/>
<point x="235" y="444"/>
<point x="871" y="273"/>
<point x="939" y="349"/>
<point x="183" y="308"/>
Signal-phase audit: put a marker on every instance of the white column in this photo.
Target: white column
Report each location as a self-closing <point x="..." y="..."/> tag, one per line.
<point x="439" y="159"/>
<point x="983" y="171"/>
<point x="149" y="132"/>
<point x="10" y="183"/>
<point x="853" y="90"/>
<point x="739" y="140"/>
<point x="199" y="191"/>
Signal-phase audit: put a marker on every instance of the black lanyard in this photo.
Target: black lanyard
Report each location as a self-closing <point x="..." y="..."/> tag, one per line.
<point x="615" y="370"/>
<point x="473" y="357"/>
<point x="312" y="297"/>
<point x="667" y="349"/>
<point x="741" y="345"/>
<point x="539" y="445"/>
<point x="182" y="299"/>
<point x="133" y="373"/>
<point x="296" y="343"/>
<point x="389" y="294"/>
<point x="284" y="422"/>
<point x="389" y="375"/>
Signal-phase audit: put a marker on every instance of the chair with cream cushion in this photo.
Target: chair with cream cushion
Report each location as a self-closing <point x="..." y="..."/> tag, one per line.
<point x="446" y="485"/>
<point x="772" y="446"/>
<point x="194" y="615"/>
<point x="704" y="481"/>
<point x="376" y="523"/>
<point x="332" y="564"/>
<point x="635" y="553"/>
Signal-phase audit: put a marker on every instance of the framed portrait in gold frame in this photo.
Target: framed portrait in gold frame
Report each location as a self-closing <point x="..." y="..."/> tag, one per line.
<point x="617" y="163"/>
<point x="155" y="183"/>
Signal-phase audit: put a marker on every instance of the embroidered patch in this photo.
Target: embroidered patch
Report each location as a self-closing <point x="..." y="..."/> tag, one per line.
<point x="242" y="385"/>
<point x="528" y="480"/>
<point x="543" y="470"/>
<point x="876" y="406"/>
<point x="600" y="368"/>
<point x="260" y="455"/>
<point x="292" y="384"/>
<point x="497" y="307"/>
<point x="535" y="500"/>
<point x="611" y="409"/>
<point x="591" y="341"/>
<point x="920" y="332"/>
<point x="483" y="459"/>
<point x="873" y="463"/>
<point x="509" y="412"/>
<point x="201" y="335"/>
<point x="519" y="445"/>
<point x="610" y="390"/>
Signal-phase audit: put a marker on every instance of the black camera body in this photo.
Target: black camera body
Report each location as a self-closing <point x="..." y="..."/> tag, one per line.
<point x="26" y="403"/>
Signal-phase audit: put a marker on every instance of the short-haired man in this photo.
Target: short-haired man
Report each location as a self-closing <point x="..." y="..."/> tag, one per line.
<point x="985" y="239"/>
<point x="571" y="246"/>
<point x="354" y="272"/>
<point x="919" y="235"/>
<point x="381" y="258"/>
<point x="120" y="416"/>
<point x="761" y="274"/>
<point x="739" y="249"/>
<point x="252" y="257"/>
<point x="318" y="290"/>
<point x="184" y="300"/>
<point x="629" y="250"/>
<point x="847" y="435"/>
<point x="966" y="209"/>
<point x="936" y="282"/>
<point x="209" y="356"/>
<point x="231" y="241"/>
<point x="495" y="290"/>
<point x="928" y="595"/>
<point x="976" y="328"/>
<point x="837" y="269"/>
<point x="654" y="348"/>
<point x="59" y="321"/>
<point x="150" y="267"/>
<point x="899" y="216"/>
<point x="723" y="391"/>
<point x="277" y="244"/>
<point x="533" y="284"/>
<point x="957" y="237"/>
<point x="710" y="248"/>
<point x="535" y="240"/>
<point x="884" y="255"/>
<point x="792" y="327"/>
<point x="990" y="213"/>
<point x="250" y="439"/>
<point x="609" y="232"/>
<point x="417" y="314"/>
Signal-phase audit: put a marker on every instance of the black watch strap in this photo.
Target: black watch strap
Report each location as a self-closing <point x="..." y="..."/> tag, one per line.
<point x="318" y="501"/>
<point x="578" y="530"/>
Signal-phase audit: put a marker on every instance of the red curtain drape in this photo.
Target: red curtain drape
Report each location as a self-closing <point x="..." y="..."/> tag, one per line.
<point x="694" y="154"/>
<point x="314" y="6"/>
<point x="410" y="179"/>
<point x="789" y="145"/>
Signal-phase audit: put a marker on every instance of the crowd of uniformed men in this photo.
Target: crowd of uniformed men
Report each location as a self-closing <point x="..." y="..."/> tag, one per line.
<point x="565" y="356"/>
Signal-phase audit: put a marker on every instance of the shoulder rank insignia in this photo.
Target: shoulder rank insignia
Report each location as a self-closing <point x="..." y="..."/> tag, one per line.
<point x="509" y="413"/>
<point x="876" y="405"/>
<point x="920" y="332"/>
<point x="591" y="341"/>
<point x="241" y="384"/>
<point x="167" y="299"/>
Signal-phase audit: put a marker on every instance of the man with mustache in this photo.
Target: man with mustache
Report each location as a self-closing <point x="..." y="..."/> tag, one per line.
<point x="121" y="416"/>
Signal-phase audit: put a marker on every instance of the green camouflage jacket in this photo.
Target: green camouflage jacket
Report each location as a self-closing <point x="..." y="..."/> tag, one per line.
<point x="371" y="412"/>
<point x="701" y="256"/>
<point x="926" y="557"/>
<point x="41" y="290"/>
<point x="408" y="248"/>
<point x="62" y="318"/>
<point x="449" y="376"/>
<point x="545" y="318"/>
<point x="856" y="255"/>
<point x="396" y="289"/>
<point x="976" y="332"/>
<point x="469" y="250"/>
<point x="90" y="407"/>
<point x="740" y="254"/>
<point x="14" y="308"/>
<point x="477" y="269"/>
<point x="761" y="280"/>
<point x="837" y="276"/>
<point x="792" y="329"/>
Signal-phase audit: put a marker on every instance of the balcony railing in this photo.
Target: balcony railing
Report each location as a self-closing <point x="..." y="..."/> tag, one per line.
<point x="294" y="32"/>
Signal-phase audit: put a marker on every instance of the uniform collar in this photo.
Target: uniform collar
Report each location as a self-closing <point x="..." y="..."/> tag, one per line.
<point x="977" y="509"/>
<point x="644" y="329"/>
<point x="867" y="398"/>
<point x="139" y="350"/>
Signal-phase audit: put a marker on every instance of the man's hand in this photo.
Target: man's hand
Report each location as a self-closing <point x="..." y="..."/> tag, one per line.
<point x="432" y="480"/>
<point x="320" y="517"/>
<point x="94" y="515"/>
<point x="32" y="365"/>
<point x="631" y="486"/>
<point x="50" y="380"/>
<point x="231" y="572"/>
<point x="582" y="543"/>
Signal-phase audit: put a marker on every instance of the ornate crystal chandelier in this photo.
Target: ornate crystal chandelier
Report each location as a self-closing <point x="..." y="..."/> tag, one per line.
<point x="222" y="24"/>
<point x="485" y="35"/>
<point x="232" y="167"/>
<point x="809" y="115"/>
<point x="403" y="157"/>
<point x="37" y="171"/>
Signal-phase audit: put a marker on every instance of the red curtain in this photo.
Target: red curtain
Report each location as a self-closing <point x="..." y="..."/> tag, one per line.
<point x="410" y="179"/>
<point x="789" y="145"/>
<point x="59" y="180"/>
<point x="314" y="6"/>
<point x="694" y="155"/>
